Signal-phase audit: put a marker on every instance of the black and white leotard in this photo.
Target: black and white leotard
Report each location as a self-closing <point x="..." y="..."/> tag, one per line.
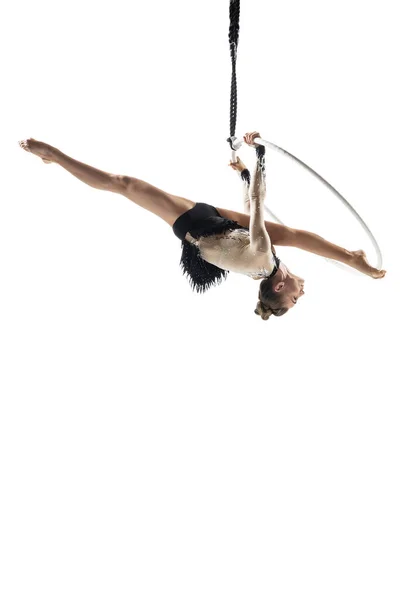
<point x="212" y="246"/>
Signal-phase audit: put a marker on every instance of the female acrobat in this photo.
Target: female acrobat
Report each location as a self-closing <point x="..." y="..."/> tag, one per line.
<point x="218" y="240"/>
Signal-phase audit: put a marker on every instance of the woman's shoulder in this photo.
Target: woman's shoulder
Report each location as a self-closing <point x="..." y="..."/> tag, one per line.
<point x="263" y="262"/>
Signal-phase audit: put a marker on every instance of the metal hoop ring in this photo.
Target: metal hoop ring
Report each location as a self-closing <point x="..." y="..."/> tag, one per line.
<point x="335" y="192"/>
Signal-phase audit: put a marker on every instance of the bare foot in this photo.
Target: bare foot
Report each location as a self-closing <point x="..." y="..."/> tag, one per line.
<point x="44" y="151"/>
<point x="359" y="262"/>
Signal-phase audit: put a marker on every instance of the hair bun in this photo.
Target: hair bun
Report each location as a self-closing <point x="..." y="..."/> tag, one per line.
<point x="263" y="311"/>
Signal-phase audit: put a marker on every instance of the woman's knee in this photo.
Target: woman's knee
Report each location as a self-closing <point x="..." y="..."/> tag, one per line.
<point x="120" y="183"/>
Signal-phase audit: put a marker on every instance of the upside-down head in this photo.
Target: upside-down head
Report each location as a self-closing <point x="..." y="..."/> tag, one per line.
<point x="279" y="293"/>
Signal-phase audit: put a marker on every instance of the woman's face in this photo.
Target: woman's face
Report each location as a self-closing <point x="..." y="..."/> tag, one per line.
<point x="290" y="287"/>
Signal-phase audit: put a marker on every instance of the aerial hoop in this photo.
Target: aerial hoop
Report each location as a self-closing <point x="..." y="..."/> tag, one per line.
<point x="235" y="144"/>
<point x="330" y="187"/>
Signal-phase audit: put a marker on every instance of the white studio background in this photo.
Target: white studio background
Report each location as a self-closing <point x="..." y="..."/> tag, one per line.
<point x="154" y="443"/>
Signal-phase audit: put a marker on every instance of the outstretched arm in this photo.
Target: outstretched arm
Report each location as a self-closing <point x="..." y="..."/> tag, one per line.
<point x="259" y="238"/>
<point x="245" y="177"/>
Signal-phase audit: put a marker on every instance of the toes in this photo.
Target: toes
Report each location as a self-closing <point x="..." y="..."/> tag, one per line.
<point x="25" y="145"/>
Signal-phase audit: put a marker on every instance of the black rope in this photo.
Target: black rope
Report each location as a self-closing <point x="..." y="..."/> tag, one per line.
<point x="234" y="15"/>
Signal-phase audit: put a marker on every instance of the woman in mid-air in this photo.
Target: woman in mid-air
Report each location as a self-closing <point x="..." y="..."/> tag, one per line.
<point x="217" y="240"/>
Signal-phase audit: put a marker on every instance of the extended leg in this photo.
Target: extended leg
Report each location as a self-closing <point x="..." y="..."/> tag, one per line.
<point x="310" y="242"/>
<point x="166" y="206"/>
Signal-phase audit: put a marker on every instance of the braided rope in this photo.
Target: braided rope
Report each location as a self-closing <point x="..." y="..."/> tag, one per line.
<point x="234" y="15"/>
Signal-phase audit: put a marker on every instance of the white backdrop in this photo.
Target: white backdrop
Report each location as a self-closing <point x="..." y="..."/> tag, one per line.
<point x="154" y="443"/>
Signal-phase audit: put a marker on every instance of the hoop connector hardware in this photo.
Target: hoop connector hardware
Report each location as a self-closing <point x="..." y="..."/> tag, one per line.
<point x="234" y="142"/>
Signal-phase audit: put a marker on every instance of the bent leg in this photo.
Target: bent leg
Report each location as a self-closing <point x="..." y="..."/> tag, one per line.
<point x="166" y="206"/>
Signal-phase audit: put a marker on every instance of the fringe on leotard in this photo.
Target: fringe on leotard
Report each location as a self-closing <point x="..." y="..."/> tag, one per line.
<point x="201" y="274"/>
